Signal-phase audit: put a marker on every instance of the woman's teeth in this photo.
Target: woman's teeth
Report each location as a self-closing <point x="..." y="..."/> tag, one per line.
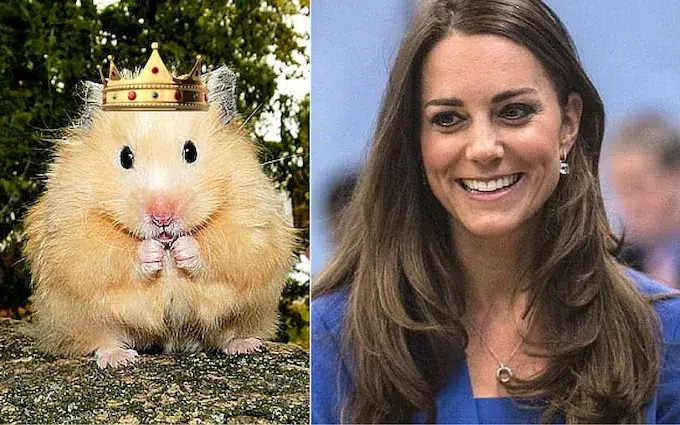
<point x="490" y="185"/>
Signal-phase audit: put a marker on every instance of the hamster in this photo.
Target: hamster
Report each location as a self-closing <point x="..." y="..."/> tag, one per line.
<point x="156" y="229"/>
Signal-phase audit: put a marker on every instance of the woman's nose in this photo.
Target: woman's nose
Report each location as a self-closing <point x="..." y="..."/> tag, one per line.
<point x="483" y="145"/>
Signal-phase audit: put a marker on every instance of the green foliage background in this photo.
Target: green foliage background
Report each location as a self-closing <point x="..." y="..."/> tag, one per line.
<point x="47" y="47"/>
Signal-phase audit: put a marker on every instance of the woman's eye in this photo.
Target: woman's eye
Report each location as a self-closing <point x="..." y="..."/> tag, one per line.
<point x="517" y="112"/>
<point x="446" y="119"/>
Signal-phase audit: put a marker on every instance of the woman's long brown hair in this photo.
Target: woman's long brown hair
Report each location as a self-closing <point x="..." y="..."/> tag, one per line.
<point x="403" y="329"/>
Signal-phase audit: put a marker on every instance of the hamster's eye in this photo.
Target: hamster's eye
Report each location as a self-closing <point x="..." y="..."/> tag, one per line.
<point x="127" y="158"/>
<point x="189" y="153"/>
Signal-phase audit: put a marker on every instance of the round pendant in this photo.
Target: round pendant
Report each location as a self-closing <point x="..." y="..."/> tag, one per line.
<point x="504" y="373"/>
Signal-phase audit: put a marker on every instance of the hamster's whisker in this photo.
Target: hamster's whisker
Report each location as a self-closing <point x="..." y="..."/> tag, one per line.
<point x="273" y="161"/>
<point x="20" y="260"/>
<point x="106" y="234"/>
<point x="257" y="108"/>
<point x="115" y="223"/>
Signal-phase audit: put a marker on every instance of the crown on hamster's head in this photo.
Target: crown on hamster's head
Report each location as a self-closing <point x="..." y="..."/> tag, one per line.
<point x="155" y="88"/>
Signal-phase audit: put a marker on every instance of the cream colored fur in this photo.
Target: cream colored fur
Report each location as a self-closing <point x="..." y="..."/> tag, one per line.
<point x="84" y="232"/>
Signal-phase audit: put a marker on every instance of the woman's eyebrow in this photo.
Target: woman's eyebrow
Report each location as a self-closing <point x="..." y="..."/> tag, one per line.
<point x="448" y="101"/>
<point x="500" y="97"/>
<point x="511" y="93"/>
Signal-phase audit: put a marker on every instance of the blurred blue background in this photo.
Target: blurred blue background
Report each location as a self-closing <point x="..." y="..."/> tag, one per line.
<point x="630" y="49"/>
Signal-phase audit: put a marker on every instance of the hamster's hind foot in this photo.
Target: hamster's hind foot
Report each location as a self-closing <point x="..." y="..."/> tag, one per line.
<point x="243" y="346"/>
<point x="115" y="357"/>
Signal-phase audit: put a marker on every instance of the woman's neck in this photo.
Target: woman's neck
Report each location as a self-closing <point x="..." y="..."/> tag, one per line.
<point x="495" y="269"/>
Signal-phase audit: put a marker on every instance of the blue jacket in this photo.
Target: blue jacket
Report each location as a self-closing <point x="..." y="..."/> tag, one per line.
<point x="455" y="402"/>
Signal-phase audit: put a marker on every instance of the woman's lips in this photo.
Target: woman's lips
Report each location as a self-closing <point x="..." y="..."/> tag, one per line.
<point x="492" y="185"/>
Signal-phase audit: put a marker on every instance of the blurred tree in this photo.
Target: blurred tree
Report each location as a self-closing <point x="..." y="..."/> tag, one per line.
<point x="47" y="47"/>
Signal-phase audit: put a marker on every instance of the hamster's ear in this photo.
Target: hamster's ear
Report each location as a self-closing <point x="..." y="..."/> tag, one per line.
<point x="222" y="92"/>
<point x="91" y="94"/>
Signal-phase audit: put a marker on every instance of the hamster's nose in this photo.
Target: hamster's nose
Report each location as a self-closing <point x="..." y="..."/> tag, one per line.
<point x="161" y="220"/>
<point x="162" y="212"/>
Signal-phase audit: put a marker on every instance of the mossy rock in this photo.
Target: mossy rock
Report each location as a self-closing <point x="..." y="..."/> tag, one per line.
<point x="271" y="386"/>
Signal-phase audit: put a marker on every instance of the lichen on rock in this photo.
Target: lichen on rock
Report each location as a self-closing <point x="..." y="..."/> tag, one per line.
<point x="271" y="386"/>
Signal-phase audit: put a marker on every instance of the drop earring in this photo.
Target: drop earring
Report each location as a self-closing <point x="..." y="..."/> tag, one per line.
<point x="564" y="165"/>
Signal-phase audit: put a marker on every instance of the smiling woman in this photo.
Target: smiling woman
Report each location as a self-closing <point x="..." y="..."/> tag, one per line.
<point x="491" y="147"/>
<point x="475" y="282"/>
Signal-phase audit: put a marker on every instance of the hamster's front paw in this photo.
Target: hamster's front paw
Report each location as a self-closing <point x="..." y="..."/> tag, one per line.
<point x="243" y="346"/>
<point x="187" y="254"/>
<point x="151" y="254"/>
<point x="114" y="357"/>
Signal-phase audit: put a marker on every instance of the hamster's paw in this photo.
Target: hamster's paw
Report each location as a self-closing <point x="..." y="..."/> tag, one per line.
<point x="243" y="346"/>
<point x="151" y="254"/>
<point x="115" y="357"/>
<point x="187" y="253"/>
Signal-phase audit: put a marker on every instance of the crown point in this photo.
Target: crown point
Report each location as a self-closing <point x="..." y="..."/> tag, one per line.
<point x="101" y="74"/>
<point x="154" y="45"/>
<point x="110" y="57"/>
<point x="198" y="57"/>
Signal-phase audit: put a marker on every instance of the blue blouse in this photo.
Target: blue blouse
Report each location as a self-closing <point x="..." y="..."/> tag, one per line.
<point x="455" y="402"/>
<point x="504" y="410"/>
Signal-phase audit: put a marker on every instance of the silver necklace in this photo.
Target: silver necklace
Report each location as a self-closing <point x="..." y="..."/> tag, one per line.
<point x="504" y="372"/>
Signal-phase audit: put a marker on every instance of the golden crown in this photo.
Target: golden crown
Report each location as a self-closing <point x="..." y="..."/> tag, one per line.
<point x="155" y="88"/>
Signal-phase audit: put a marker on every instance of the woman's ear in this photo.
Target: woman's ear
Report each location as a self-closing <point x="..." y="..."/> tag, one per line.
<point x="571" y="122"/>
